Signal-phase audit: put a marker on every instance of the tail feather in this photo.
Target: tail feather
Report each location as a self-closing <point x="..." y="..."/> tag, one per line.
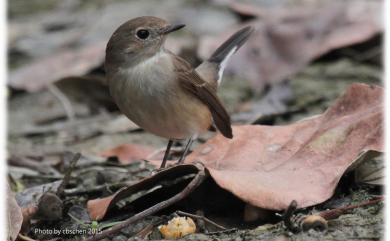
<point x="212" y="69"/>
<point x="233" y="43"/>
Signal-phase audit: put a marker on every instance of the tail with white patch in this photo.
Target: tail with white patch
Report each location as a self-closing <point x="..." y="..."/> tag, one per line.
<point x="213" y="68"/>
<point x="230" y="46"/>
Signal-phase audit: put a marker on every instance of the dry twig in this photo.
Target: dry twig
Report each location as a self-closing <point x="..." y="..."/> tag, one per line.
<point x="202" y="218"/>
<point x="64" y="101"/>
<point x="230" y="230"/>
<point x="198" y="179"/>
<point x="336" y="212"/>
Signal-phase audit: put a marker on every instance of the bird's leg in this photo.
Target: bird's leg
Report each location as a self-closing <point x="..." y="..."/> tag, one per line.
<point x="181" y="159"/>
<point x="164" y="161"/>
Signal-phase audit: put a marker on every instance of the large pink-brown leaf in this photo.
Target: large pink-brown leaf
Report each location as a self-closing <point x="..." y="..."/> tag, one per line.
<point x="269" y="166"/>
<point x="288" y="38"/>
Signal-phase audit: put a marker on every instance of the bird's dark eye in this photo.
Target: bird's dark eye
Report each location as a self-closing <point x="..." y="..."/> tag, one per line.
<point x="142" y="34"/>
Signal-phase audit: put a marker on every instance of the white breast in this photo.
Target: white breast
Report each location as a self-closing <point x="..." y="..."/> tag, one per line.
<point x="154" y="74"/>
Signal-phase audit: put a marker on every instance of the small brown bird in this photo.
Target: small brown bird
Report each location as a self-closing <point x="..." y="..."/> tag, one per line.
<point x="160" y="91"/>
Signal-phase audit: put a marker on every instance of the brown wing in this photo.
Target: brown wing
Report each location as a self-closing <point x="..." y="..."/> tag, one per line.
<point x="190" y="81"/>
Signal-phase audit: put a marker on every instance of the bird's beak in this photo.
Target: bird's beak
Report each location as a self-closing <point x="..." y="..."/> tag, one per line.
<point x="172" y="28"/>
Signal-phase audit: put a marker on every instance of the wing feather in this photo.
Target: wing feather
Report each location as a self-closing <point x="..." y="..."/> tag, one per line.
<point x="191" y="82"/>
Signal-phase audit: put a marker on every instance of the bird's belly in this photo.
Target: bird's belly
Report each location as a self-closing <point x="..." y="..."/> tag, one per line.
<point x="161" y="107"/>
<point x="169" y="121"/>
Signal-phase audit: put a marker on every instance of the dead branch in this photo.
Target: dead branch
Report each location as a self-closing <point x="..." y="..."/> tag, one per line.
<point x="97" y="188"/>
<point x="198" y="179"/>
<point x="64" y="101"/>
<point x="336" y="212"/>
<point x="201" y="218"/>
<point x="230" y="230"/>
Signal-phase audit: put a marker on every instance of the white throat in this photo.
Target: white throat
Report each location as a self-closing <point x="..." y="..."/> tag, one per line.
<point x="150" y="75"/>
<point x="155" y="59"/>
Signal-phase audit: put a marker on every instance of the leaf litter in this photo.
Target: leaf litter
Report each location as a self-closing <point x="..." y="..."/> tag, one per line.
<point x="287" y="38"/>
<point x="14" y="215"/>
<point x="287" y="98"/>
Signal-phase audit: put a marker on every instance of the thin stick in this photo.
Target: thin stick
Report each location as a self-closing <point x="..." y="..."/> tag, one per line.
<point x="202" y="218"/>
<point x="145" y="231"/>
<point x="198" y="179"/>
<point x="336" y="212"/>
<point x="95" y="189"/>
<point x="65" y="181"/>
<point x="64" y="101"/>
<point x="230" y="230"/>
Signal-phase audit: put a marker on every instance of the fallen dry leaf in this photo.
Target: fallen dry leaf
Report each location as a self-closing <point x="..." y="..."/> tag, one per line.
<point x="99" y="208"/>
<point x="76" y="87"/>
<point x="14" y="216"/>
<point x="39" y="74"/>
<point x="177" y="227"/>
<point x="29" y="200"/>
<point x="371" y="172"/>
<point x="273" y="103"/>
<point x="288" y="38"/>
<point x="128" y="153"/>
<point x="269" y="166"/>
